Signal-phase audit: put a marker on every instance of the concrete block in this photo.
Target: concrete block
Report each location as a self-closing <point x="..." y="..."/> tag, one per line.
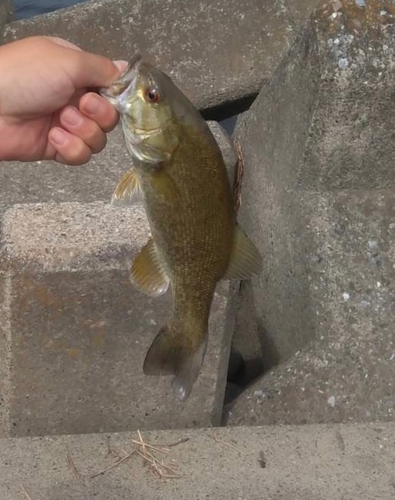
<point x="74" y="332"/>
<point x="347" y="374"/>
<point x="217" y="52"/>
<point x="272" y="135"/>
<point x="321" y="209"/>
<point x="273" y="462"/>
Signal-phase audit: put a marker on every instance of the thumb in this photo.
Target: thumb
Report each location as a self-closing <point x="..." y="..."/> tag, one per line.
<point x="91" y="70"/>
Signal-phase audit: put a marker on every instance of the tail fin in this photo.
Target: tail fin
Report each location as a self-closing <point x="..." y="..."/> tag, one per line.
<point x="170" y="353"/>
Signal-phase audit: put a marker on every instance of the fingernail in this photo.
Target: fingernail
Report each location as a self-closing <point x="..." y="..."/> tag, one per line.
<point x="92" y="105"/>
<point x="71" y="117"/>
<point x="121" y="65"/>
<point x="58" y="137"/>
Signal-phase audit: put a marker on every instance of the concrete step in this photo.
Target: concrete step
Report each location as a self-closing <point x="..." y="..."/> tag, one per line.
<point x="310" y="462"/>
<point x="74" y="332"/>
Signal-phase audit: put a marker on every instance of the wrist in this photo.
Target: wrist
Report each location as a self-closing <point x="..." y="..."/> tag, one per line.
<point x="4" y="140"/>
<point x="12" y="138"/>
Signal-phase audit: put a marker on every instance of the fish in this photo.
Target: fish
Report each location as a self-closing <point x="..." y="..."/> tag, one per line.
<point x="179" y="173"/>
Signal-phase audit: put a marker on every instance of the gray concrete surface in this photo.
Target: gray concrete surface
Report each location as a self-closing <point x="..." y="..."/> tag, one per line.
<point x="325" y="225"/>
<point x="217" y="52"/>
<point x="75" y="332"/>
<point x="325" y="462"/>
<point x="6" y="10"/>
<point x="213" y="65"/>
<point x="272" y="135"/>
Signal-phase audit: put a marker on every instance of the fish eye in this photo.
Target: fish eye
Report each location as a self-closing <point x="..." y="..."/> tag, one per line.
<point x="152" y="95"/>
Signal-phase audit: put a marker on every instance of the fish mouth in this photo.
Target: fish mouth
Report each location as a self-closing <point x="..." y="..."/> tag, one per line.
<point x="124" y="81"/>
<point x="149" y="131"/>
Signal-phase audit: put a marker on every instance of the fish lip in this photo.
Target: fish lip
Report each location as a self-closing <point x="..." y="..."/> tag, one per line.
<point x="127" y="77"/>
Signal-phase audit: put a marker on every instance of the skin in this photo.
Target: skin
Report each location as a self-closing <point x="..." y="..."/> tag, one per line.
<point x="46" y="111"/>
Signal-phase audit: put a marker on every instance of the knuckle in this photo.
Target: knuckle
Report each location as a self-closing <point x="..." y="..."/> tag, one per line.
<point x="77" y="153"/>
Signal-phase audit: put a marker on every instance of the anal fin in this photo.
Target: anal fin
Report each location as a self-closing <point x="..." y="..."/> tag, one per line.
<point x="128" y="189"/>
<point x="245" y="260"/>
<point x="147" y="273"/>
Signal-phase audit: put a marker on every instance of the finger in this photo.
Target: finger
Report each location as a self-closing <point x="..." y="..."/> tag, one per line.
<point x="101" y="111"/>
<point x="84" y="128"/>
<point x="62" y="42"/>
<point x="69" y="149"/>
<point x="92" y="70"/>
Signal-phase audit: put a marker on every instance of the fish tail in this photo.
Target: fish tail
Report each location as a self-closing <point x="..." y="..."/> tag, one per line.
<point x="174" y="353"/>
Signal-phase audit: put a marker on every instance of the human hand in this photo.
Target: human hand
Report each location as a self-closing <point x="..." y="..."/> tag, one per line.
<point x="46" y="110"/>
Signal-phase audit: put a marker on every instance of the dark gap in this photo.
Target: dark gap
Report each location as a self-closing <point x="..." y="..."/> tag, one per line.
<point x="228" y="109"/>
<point x="241" y="374"/>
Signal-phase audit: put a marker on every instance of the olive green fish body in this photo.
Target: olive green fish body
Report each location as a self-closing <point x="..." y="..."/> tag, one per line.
<point x="192" y="222"/>
<point x="195" y="242"/>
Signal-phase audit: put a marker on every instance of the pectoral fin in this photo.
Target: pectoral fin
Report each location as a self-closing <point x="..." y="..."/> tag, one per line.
<point x="245" y="260"/>
<point x="128" y="189"/>
<point x="147" y="273"/>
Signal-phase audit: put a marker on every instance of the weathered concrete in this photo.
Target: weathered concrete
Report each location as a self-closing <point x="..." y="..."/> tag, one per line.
<point x="348" y="372"/>
<point x="299" y="463"/>
<point x="75" y="332"/>
<point x="217" y="52"/>
<point x="214" y="66"/>
<point x="45" y="182"/>
<point x="272" y="135"/>
<point x="6" y="9"/>
<point x="325" y="225"/>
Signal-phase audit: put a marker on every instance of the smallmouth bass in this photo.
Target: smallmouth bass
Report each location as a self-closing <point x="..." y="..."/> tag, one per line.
<point x="179" y="170"/>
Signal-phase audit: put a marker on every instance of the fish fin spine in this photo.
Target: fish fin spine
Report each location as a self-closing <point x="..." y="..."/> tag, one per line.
<point x="128" y="190"/>
<point x="147" y="273"/>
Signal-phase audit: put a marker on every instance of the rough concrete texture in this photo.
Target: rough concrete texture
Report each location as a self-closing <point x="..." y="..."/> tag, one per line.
<point x="272" y="135"/>
<point x="217" y="51"/>
<point x="6" y="9"/>
<point x="325" y="226"/>
<point x="75" y="332"/>
<point x="214" y="66"/>
<point x="326" y="462"/>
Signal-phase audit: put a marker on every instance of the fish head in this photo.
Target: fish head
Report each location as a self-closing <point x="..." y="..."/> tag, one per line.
<point x="141" y="96"/>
